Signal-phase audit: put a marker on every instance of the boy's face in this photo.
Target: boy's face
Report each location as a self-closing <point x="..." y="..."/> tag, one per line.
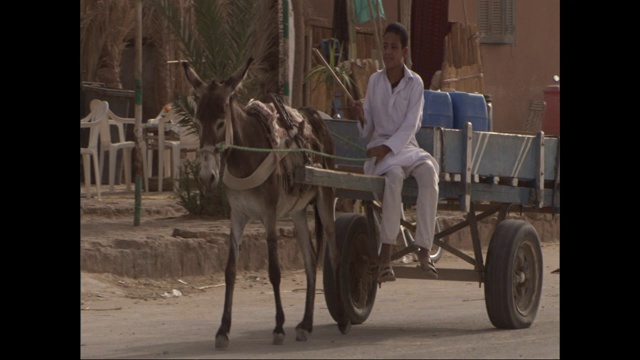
<point x="392" y="50"/>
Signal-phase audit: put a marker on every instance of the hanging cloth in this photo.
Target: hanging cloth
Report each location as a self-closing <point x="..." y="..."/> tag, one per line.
<point x="429" y="27"/>
<point x="362" y="13"/>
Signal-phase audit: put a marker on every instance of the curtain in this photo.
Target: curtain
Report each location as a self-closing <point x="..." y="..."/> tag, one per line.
<point x="429" y="27"/>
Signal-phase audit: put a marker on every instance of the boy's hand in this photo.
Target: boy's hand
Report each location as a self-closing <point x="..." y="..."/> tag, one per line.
<point x="379" y="152"/>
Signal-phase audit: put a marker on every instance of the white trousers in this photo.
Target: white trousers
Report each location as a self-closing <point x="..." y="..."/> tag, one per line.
<point x="427" y="177"/>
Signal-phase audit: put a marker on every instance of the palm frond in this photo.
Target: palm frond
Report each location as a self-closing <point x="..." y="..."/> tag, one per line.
<point x="218" y="36"/>
<point x="185" y="106"/>
<point x="322" y="73"/>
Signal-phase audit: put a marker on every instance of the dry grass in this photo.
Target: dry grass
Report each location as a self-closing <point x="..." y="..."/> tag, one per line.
<point x="104" y="28"/>
<point x="107" y="27"/>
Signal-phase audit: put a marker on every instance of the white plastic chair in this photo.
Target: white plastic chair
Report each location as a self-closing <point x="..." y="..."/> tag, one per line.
<point x="107" y="144"/>
<point x="93" y="121"/>
<point x="188" y="141"/>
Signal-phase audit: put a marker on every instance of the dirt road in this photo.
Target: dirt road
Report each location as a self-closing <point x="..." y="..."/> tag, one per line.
<point x="169" y="309"/>
<point x="124" y="318"/>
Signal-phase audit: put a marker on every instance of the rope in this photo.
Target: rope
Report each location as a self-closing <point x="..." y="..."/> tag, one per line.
<point x="223" y="146"/>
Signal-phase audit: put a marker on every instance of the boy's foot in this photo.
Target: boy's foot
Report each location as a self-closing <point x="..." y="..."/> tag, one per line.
<point x="427" y="265"/>
<point x="385" y="274"/>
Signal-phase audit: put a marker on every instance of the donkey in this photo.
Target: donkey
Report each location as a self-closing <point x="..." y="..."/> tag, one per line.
<point x="268" y="195"/>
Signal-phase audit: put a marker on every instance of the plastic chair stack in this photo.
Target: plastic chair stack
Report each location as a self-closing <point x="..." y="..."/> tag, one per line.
<point x="108" y="144"/>
<point x="94" y="122"/>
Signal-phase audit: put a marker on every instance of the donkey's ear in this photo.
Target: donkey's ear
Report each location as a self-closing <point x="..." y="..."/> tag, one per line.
<point x="193" y="78"/>
<point x="239" y="75"/>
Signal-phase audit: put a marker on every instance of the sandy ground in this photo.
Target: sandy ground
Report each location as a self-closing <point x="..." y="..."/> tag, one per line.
<point x="176" y="318"/>
<point x="155" y="291"/>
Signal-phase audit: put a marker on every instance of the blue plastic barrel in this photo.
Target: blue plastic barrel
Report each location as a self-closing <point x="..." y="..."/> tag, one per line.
<point x="471" y="108"/>
<point x="437" y="109"/>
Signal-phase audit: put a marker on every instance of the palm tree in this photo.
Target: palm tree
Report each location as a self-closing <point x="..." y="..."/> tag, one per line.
<point x="217" y="37"/>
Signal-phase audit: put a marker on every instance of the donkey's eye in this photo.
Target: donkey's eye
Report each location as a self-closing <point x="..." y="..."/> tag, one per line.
<point x="219" y="126"/>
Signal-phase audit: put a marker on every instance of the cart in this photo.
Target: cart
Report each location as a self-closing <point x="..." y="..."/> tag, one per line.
<point x="481" y="174"/>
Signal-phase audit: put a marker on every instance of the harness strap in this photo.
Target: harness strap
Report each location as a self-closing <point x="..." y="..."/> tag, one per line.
<point x="259" y="176"/>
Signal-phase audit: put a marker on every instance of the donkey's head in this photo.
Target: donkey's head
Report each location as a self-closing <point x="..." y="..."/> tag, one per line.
<point x="213" y="115"/>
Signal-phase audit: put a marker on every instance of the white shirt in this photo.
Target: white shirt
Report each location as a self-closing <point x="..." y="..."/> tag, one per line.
<point x="393" y="119"/>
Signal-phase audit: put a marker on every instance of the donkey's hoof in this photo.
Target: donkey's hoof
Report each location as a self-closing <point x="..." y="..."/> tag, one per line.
<point x="302" y="335"/>
<point x="222" y="342"/>
<point x="278" y="339"/>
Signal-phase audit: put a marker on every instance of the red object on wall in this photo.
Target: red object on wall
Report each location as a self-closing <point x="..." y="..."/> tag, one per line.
<point x="551" y="122"/>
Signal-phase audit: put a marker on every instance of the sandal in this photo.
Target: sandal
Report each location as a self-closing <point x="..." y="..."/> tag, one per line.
<point x="428" y="266"/>
<point x="385" y="274"/>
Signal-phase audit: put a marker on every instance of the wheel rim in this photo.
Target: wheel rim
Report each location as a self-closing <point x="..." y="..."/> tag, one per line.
<point x="435" y="252"/>
<point x="525" y="278"/>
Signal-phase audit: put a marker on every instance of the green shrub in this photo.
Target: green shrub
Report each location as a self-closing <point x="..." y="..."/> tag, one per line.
<point x="196" y="198"/>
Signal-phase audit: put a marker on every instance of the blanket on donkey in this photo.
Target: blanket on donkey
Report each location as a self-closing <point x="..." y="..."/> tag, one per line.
<point x="281" y="138"/>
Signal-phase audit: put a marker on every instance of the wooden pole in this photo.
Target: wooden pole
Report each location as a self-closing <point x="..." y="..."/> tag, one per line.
<point x="299" y="53"/>
<point x="138" y="115"/>
<point x="376" y="32"/>
<point x="344" y="88"/>
<point x="308" y="44"/>
<point x="404" y="15"/>
<point x="353" y="48"/>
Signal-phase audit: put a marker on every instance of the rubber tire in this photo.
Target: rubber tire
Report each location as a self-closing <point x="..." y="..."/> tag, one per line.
<point x="330" y="285"/>
<point x="352" y="236"/>
<point x="513" y="275"/>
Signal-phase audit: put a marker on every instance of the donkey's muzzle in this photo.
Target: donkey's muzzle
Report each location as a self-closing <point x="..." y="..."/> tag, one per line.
<point x="209" y="167"/>
<point x="211" y="180"/>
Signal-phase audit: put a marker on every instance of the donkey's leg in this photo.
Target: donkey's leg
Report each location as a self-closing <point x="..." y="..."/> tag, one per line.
<point x="238" y="222"/>
<point x="324" y="208"/>
<point x="269" y="222"/>
<point x="305" y="327"/>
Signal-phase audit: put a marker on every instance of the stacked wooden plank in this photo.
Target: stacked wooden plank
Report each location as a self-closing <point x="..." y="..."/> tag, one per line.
<point x="361" y="70"/>
<point x="462" y="66"/>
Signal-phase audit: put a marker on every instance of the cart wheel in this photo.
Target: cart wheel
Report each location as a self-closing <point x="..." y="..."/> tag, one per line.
<point x="513" y="275"/>
<point x="356" y="280"/>
<point x="330" y="282"/>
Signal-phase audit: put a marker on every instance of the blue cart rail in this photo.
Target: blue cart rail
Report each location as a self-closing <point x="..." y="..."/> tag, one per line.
<point x="475" y="166"/>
